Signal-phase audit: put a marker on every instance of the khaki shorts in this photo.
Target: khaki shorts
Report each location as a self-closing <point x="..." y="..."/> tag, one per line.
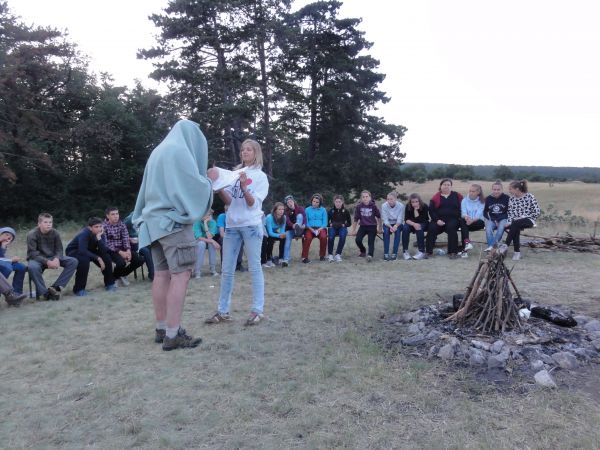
<point x="175" y="252"/>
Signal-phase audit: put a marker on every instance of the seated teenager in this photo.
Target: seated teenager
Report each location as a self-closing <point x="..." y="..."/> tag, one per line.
<point x="117" y="242"/>
<point x="444" y="210"/>
<point x="205" y="231"/>
<point x="339" y="222"/>
<point x="144" y="252"/>
<point x="316" y="227"/>
<point x="45" y="251"/>
<point x="523" y="210"/>
<point x="12" y="264"/>
<point x="12" y="298"/>
<point x="275" y="227"/>
<point x="392" y="216"/>
<point x="495" y="213"/>
<point x="88" y="246"/>
<point x="416" y="220"/>
<point x="295" y="223"/>
<point x="368" y="219"/>
<point x="471" y="214"/>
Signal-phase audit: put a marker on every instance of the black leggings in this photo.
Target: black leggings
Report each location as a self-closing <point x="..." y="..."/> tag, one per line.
<point x="514" y="232"/>
<point x="451" y="229"/>
<point x="371" y="232"/>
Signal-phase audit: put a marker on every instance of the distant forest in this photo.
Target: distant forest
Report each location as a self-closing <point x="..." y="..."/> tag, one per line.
<point x="421" y="172"/>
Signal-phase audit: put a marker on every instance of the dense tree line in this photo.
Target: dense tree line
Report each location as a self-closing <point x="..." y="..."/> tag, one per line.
<point x="301" y="82"/>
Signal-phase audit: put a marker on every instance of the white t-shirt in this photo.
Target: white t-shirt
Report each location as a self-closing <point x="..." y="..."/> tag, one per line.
<point x="239" y="213"/>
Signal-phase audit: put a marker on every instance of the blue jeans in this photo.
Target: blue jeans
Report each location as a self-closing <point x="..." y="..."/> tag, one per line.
<point x="289" y="237"/>
<point x="406" y="230"/>
<point x="252" y="238"/>
<point x="212" y="257"/>
<point x="7" y="267"/>
<point x="342" y="232"/>
<point x="386" y="240"/>
<point x="490" y="226"/>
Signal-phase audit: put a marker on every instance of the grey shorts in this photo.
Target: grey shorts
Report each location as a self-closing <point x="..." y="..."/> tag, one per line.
<point x="175" y="252"/>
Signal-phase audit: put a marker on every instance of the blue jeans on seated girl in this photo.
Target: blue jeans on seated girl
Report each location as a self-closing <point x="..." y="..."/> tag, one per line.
<point x="252" y="238"/>
<point x="289" y="237"/>
<point x="490" y="226"/>
<point x="386" y="240"/>
<point x="406" y="230"/>
<point x="342" y="232"/>
<point x="212" y="257"/>
<point x="6" y="267"/>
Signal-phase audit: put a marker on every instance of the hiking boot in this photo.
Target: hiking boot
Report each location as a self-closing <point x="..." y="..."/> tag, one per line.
<point x="52" y="294"/>
<point x="14" y="299"/>
<point x="254" y="319"/>
<point x="182" y="340"/>
<point x="218" y="318"/>
<point x="406" y="256"/>
<point x="298" y="230"/>
<point x="159" y="335"/>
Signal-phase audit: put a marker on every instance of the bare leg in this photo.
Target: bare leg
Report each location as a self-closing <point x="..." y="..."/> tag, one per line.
<point x="160" y="287"/>
<point x="176" y="297"/>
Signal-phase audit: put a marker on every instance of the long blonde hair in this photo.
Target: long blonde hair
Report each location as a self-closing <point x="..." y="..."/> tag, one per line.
<point x="258" y="158"/>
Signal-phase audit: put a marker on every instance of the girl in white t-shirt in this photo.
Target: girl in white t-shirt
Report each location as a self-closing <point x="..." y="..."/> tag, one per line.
<point x="244" y="193"/>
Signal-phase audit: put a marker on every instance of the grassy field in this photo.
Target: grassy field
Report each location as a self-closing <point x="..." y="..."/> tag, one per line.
<point x="85" y="373"/>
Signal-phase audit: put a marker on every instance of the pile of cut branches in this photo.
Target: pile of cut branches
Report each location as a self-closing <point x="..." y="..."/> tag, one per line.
<point x="566" y="242"/>
<point x="489" y="304"/>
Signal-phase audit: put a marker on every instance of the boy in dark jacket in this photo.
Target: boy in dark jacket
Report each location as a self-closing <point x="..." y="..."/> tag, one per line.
<point x="495" y="213"/>
<point x="88" y="246"/>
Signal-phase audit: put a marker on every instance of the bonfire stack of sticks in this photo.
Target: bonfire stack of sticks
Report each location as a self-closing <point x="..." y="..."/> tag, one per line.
<point x="489" y="304"/>
<point x="566" y="242"/>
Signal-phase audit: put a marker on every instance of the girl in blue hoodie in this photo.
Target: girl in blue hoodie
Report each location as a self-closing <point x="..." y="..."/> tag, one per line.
<point x="471" y="214"/>
<point x="275" y="226"/>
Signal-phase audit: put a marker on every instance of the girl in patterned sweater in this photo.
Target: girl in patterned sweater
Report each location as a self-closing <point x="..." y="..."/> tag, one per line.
<point x="523" y="210"/>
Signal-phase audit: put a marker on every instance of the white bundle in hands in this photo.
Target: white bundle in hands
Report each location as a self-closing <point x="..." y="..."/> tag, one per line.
<point x="226" y="178"/>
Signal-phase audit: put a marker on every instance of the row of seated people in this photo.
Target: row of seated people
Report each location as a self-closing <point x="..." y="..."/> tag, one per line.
<point x="106" y="243"/>
<point x="447" y="212"/>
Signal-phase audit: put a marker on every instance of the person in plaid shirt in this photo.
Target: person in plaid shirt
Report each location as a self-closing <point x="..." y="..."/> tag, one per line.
<point x="119" y="247"/>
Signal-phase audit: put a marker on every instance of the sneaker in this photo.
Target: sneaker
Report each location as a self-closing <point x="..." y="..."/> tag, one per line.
<point x="503" y="248"/>
<point x="14" y="299"/>
<point x="218" y="318"/>
<point x="197" y="276"/>
<point x="463" y="254"/>
<point x="159" y="335"/>
<point x="81" y="293"/>
<point x="489" y="249"/>
<point x="284" y="263"/>
<point x="124" y="281"/>
<point x="298" y="230"/>
<point x="254" y="319"/>
<point x="452" y="256"/>
<point x="468" y="246"/>
<point x="386" y="257"/>
<point x="338" y="258"/>
<point x="406" y="256"/>
<point x="306" y="260"/>
<point x="215" y="274"/>
<point x="330" y="258"/>
<point x="393" y="257"/>
<point x="321" y="258"/>
<point x="516" y="256"/>
<point x="111" y="288"/>
<point x="369" y="258"/>
<point x="182" y="340"/>
<point x="268" y="264"/>
<point x="53" y="293"/>
<point x="419" y="255"/>
<point x="362" y="254"/>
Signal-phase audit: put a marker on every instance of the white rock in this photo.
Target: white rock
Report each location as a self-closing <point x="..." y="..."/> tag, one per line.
<point x="446" y="352"/>
<point x="543" y="378"/>
<point x="593" y="325"/>
<point x="538" y="364"/>
<point x="497" y="346"/>
<point x="565" y="360"/>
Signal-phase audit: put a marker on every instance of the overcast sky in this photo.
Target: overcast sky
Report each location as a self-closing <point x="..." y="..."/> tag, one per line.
<point x="515" y="82"/>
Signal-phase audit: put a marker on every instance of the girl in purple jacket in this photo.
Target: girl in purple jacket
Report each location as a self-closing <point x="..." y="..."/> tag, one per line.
<point x="367" y="215"/>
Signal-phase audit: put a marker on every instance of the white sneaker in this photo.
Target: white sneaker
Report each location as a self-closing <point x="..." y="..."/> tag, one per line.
<point x="516" y="256"/>
<point x="489" y="249"/>
<point x="463" y="254"/>
<point x="406" y="256"/>
<point x="468" y="246"/>
<point x="268" y="264"/>
<point x="419" y="255"/>
<point x="330" y="258"/>
<point x="369" y="258"/>
<point x="215" y="274"/>
<point x="197" y="276"/>
<point x="503" y="248"/>
<point x="124" y="281"/>
<point x="338" y="258"/>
